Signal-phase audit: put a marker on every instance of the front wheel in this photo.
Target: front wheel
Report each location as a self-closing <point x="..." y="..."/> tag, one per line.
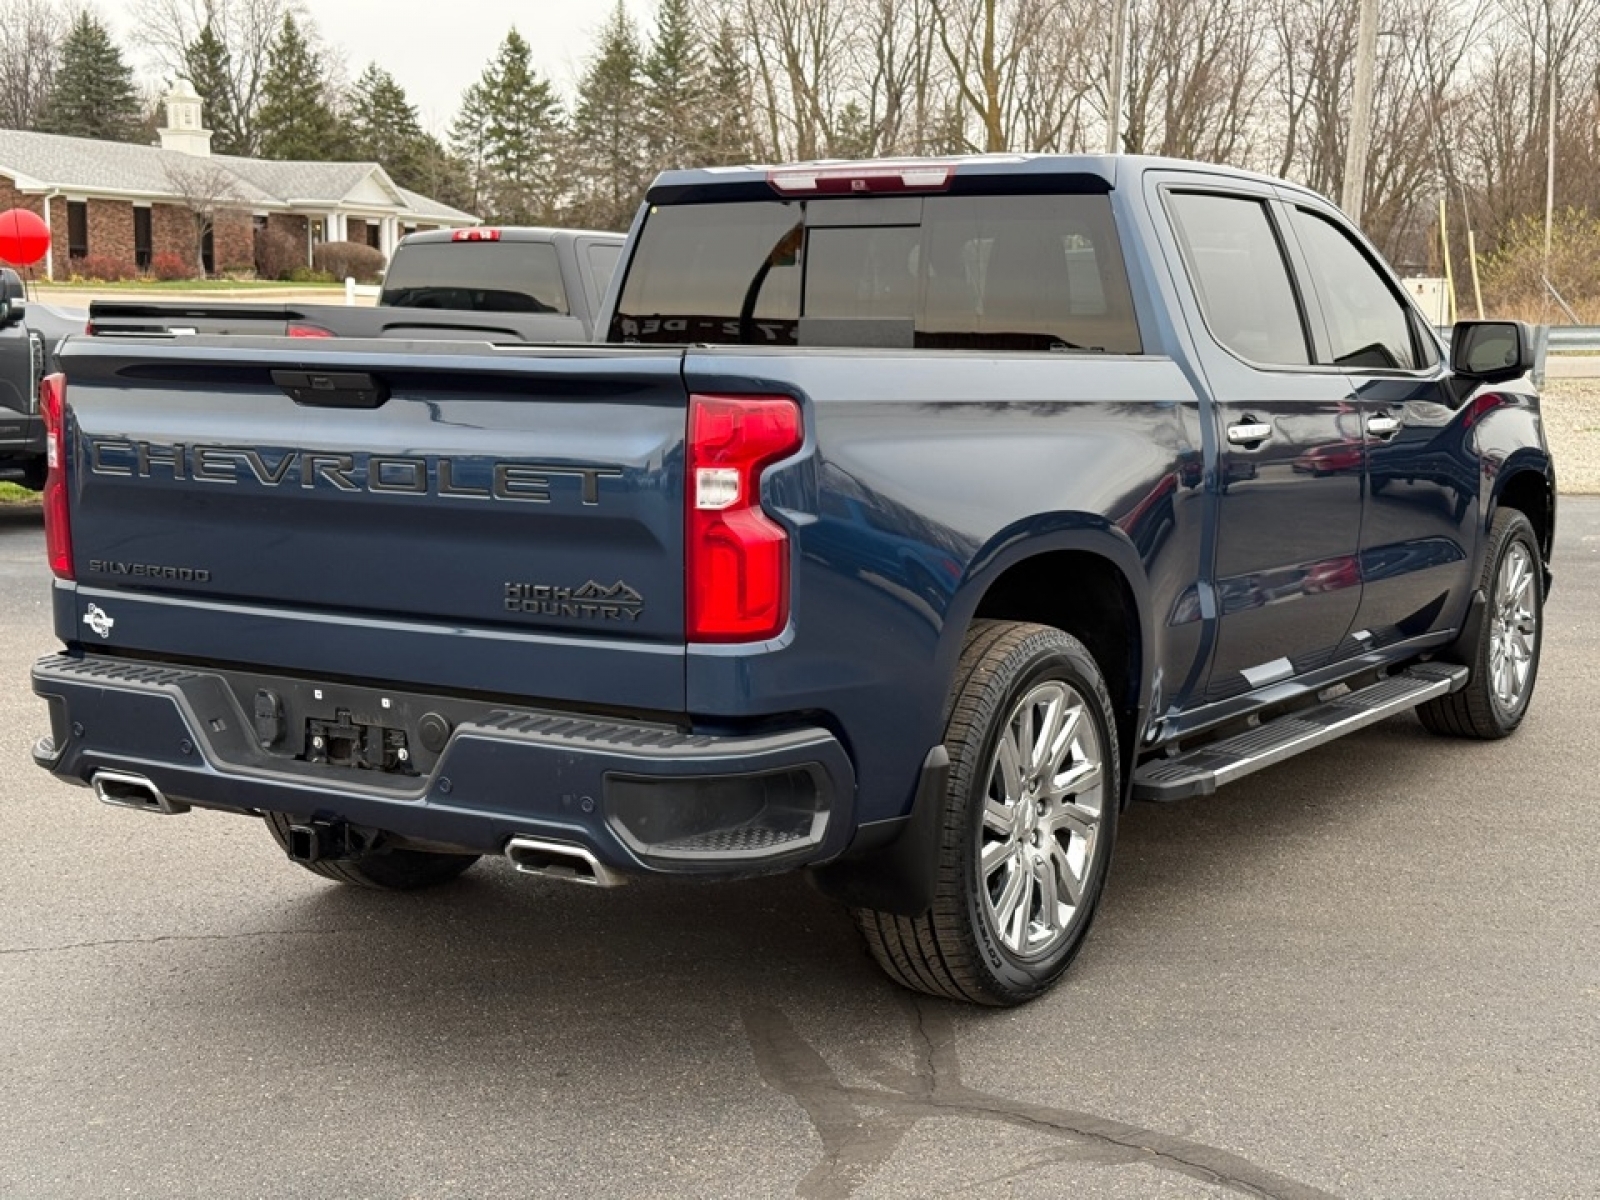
<point x="1504" y="656"/>
<point x="394" y="870"/>
<point x="1030" y="818"/>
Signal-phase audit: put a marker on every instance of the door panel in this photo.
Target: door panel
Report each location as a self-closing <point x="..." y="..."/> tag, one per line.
<point x="1289" y="463"/>
<point x="1422" y="473"/>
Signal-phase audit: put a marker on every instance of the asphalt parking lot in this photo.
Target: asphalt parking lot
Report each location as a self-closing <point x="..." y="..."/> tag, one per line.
<point x="1371" y="972"/>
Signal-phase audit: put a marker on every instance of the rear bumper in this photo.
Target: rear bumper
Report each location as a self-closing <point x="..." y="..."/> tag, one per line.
<point x="641" y="797"/>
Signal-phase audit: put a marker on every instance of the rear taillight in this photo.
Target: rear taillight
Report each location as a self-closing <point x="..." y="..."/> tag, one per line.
<point x="736" y="557"/>
<point x="57" y="530"/>
<point x="301" y="330"/>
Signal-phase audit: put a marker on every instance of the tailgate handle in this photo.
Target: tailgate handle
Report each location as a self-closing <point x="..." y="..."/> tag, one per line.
<point x="332" y="389"/>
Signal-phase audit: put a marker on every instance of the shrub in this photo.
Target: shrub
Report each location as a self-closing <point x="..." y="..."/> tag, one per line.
<point x="307" y="275"/>
<point x="105" y="268"/>
<point x="169" y="267"/>
<point x="278" y="253"/>
<point x="345" y="259"/>
<point x="1512" y="275"/>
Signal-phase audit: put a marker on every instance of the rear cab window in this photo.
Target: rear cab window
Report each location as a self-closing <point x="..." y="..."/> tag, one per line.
<point x="973" y="272"/>
<point x="490" y="276"/>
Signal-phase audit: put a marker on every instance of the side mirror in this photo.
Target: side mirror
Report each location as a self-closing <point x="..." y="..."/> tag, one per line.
<point x="1491" y="351"/>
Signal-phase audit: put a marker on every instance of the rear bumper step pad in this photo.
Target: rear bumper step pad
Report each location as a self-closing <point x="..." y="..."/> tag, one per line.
<point x="1200" y="771"/>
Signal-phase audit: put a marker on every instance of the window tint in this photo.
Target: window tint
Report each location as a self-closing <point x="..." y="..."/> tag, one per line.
<point x="503" y="276"/>
<point x="1366" y="320"/>
<point x="978" y="272"/>
<point x="720" y="273"/>
<point x="1238" y="272"/>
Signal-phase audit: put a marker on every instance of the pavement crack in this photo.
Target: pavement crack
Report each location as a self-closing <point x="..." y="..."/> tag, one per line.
<point x="862" y="1127"/>
<point x="169" y="937"/>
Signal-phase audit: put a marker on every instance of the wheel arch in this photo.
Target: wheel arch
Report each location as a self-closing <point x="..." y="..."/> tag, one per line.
<point x="1527" y="484"/>
<point x="1081" y="575"/>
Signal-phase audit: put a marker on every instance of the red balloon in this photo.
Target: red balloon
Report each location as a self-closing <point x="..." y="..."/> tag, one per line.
<point x="24" y="237"/>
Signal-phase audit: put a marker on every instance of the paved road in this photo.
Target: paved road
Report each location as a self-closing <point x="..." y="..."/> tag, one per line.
<point x="1371" y="972"/>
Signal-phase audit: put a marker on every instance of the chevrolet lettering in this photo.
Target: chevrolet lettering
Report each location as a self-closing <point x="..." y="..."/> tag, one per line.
<point x="398" y="474"/>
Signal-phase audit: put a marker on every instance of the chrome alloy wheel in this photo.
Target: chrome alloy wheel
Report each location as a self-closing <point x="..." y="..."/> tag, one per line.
<point x="1041" y="819"/>
<point x="1514" y="633"/>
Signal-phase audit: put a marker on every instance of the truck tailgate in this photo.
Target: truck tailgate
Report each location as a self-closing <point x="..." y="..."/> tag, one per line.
<point x="473" y="518"/>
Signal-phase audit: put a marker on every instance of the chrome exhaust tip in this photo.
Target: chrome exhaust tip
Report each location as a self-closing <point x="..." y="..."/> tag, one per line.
<point x="121" y="789"/>
<point x="560" y="860"/>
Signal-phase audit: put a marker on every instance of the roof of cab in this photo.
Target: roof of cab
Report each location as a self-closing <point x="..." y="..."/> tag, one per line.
<point x="1100" y="172"/>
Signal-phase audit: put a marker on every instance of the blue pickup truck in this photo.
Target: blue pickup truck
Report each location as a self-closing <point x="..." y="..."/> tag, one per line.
<point x="912" y="518"/>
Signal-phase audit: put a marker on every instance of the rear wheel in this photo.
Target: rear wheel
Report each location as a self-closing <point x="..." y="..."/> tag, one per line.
<point x="392" y="870"/>
<point x="1505" y="655"/>
<point x="1028" y="828"/>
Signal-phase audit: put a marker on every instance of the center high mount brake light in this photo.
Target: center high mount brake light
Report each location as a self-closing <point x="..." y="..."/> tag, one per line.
<point x="862" y="179"/>
<point x="475" y="235"/>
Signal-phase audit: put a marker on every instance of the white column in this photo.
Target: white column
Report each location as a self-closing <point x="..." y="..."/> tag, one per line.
<point x="390" y="235"/>
<point x="50" y="254"/>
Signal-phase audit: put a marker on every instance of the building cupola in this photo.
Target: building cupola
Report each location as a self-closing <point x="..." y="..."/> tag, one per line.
<point x="183" y="131"/>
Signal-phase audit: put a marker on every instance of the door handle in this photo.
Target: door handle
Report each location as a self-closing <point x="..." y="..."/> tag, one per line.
<point x="1382" y="426"/>
<point x="1248" y="432"/>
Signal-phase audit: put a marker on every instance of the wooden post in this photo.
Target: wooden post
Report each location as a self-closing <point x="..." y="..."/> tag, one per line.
<point x="1449" y="271"/>
<point x="1472" y="260"/>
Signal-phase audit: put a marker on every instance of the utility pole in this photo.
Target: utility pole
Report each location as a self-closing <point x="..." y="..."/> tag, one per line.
<point x="1550" y="170"/>
<point x="1119" y="58"/>
<point x="1355" y="155"/>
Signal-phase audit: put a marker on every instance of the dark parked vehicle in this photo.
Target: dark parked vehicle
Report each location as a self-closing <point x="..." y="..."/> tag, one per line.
<point x="510" y="284"/>
<point x="916" y="518"/>
<point x="29" y="335"/>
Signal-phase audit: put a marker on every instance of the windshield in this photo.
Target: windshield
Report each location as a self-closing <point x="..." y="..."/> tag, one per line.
<point x="501" y="276"/>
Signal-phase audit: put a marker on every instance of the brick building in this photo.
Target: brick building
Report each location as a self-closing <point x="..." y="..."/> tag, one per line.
<point x="131" y="203"/>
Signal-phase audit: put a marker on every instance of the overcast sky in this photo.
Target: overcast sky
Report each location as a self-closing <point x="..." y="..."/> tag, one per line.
<point x="435" y="50"/>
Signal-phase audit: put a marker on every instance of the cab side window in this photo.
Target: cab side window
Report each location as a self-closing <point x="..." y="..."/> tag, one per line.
<point x="1238" y="271"/>
<point x="1369" y="325"/>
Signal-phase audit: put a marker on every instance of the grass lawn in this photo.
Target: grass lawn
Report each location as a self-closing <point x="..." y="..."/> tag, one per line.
<point x="15" y="493"/>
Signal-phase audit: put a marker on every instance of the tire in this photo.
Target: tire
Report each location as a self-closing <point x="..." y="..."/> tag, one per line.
<point x="34" y="472"/>
<point x="1006" y="843"/>
<point x="385" y="870"/>
<point x="1505" y="657"/>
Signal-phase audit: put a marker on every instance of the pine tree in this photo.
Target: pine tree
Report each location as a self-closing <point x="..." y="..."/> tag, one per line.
<point x="93" y="95"/>
<point x="521" y="122"/>
<point x="383" y="127"/>
<point x="210" y="72"/>
<point x="676" y="89"/>
<point x="469" y="139"/>
<point x="609" y="152"/>
<point x="727" y="140"/>
<point x="296" y="120"/>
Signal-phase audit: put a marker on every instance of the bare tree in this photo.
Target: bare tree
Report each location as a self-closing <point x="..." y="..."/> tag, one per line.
<point x="204" y="190"/>
<point x="247" y="28"/>
<point x="30" y="45"/>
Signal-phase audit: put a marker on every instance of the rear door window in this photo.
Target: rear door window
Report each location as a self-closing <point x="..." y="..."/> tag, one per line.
<point x="500" y="276"/>
<point x="1237" y="267"/>
<point x="1040" y="273"/>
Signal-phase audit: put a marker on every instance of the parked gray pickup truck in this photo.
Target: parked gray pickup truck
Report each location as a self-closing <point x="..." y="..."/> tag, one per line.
<point x="511" y="284"/>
